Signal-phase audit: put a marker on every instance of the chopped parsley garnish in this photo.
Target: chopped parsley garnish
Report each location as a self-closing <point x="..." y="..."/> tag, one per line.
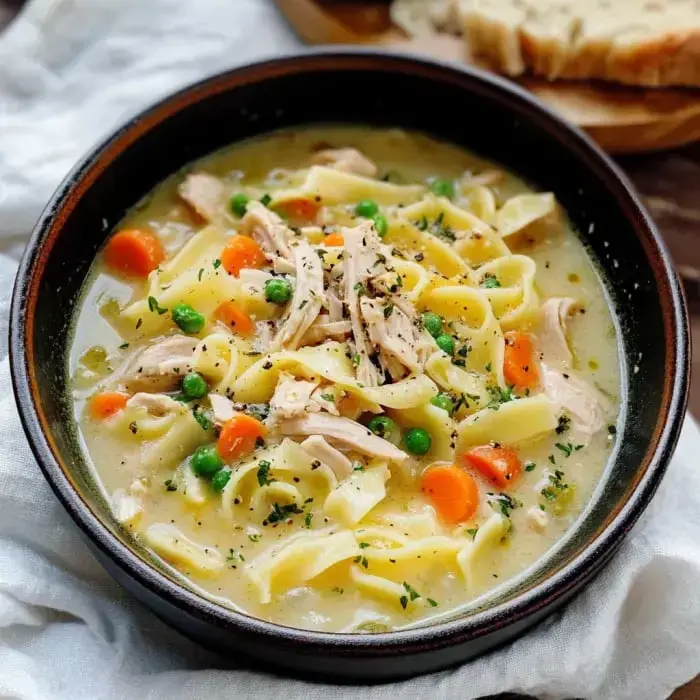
<point x="199" y="274"/>
<point x="422" y="223"/>
<point x="307" y="519"/>
<point x="563" y="425"/>
<point x="124" y="346"/>
<point x="154" y="307"/>
<point x="412" y="592"/>
<point x="358" y="467"/>
<point x="258" y="410"/>
<point x="255" y="537"/>
<point x="472" y="532"/>
<point x="216" y="264"/>
<point x="404" y="601"/>
<point x="438" y="228"/>
<point x="558" y="492"/>
<point x="503" y="502"/>
<point x="360" y="289"/>
<point x="488" y="366"/>
<point x="361" y="560"/>
<point x="364" y="545"/>
<point x="264" y="473"/>
<point x="265" y="199"/>
<point x="233" y="555"/>
<point x="280" y="513"/>
<point x="170" y="485"/>
<point x="569" y="448"/>
<point x="328" y="397"/>
<point x="499" y="396"/>
<point x="388" y="310"/>
<point x="490" y="281"/>
<point x="530" y="466"/>
<point x="432" y="603"/>
<point x="356" y="359"/>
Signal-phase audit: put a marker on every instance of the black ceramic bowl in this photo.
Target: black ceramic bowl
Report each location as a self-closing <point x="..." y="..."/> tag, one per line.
<point x="462" y="105"/>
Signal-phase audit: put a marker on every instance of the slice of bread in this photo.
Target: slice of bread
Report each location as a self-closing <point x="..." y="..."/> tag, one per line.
<point x="638" y="42"/>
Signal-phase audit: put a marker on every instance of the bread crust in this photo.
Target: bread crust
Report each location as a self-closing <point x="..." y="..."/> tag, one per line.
<point x="575" y="43"/>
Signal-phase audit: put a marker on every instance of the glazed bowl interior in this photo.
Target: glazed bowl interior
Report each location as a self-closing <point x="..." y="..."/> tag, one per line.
<point x="464" y="107"/>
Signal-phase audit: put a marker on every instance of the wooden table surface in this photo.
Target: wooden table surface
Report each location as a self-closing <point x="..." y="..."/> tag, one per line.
<point x="669" y="182"/>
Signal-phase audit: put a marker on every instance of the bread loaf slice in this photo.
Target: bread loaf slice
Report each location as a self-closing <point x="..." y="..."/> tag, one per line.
<point x="638" y="42"/>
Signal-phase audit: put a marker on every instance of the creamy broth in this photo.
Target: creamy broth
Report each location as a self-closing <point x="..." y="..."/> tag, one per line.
<point x="277" y="535"/>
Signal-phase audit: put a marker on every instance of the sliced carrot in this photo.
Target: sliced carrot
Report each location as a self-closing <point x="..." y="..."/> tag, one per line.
<point x="239" y="436"/>
<point x="498" y="464"/>
<point x="107" y="404"/>
<point x="334" y="239"/>
<point x="299" y="209"/>
<point x="235" y="318"/>
<point x="519" y="367"/>
<point x="134" y="252"/>
<point x="242" y="251"/>
<point x="454" y="493"/>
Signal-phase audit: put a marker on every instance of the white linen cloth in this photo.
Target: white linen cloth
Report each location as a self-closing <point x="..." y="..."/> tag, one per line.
<point x="69" y="71"/>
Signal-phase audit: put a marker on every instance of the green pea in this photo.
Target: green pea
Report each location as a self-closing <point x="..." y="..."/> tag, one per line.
<point x="239" y="204"/>
<point x="445" y="402"/>
<point x="385" y="428"/>
<point x="194" y="386"/>
<point x="446" y="343"/>
<point x="278" y="290"/>
<point x="417" y="441"/>
<point x="220" y="479"/>
<point x="381" y="224"/>
<point x="187" y="318"/>
<point x="206" y="461"/>
<point x="442" y="187"/>
<point x="432" y="323"/>
<point x="367" y="208"/>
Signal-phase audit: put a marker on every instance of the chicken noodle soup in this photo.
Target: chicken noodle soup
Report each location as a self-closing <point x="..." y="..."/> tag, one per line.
<point x="346" y="379"/>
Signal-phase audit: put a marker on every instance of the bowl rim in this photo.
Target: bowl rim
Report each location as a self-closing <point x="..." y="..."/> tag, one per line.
<point x="557" y="586"/>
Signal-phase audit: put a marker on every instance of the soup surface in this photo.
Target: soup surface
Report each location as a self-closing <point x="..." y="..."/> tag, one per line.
<point x="346" y="379"/>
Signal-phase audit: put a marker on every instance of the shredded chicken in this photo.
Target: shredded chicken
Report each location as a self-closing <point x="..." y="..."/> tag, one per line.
<point x="283" y="266"/>
<point x="161" y="366"/>
<point x="322" y="329"/>
<point x="335" y="306"/>
<point x="552" y="332"/>
<point x="319" y="449"/>
<point x="222" y="408"/>
<point x="393" y="332"/>
<point x="324" y="398"/>
<point x="307" y="301"/>
<point x="363" y="259"/>
<point x="537" y="518"/>
<point x="292" y="397"/>
<point x="205" y="194"/>
<point x="264" y="335"/>
<point x="348" y="160"/>
<point x="268" y="229"/>
<point x="345" y="432"/>
<point x="586" y="407"/>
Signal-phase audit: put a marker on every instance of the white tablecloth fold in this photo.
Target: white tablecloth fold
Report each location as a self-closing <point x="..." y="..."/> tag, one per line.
<point x="69" y="71"/>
